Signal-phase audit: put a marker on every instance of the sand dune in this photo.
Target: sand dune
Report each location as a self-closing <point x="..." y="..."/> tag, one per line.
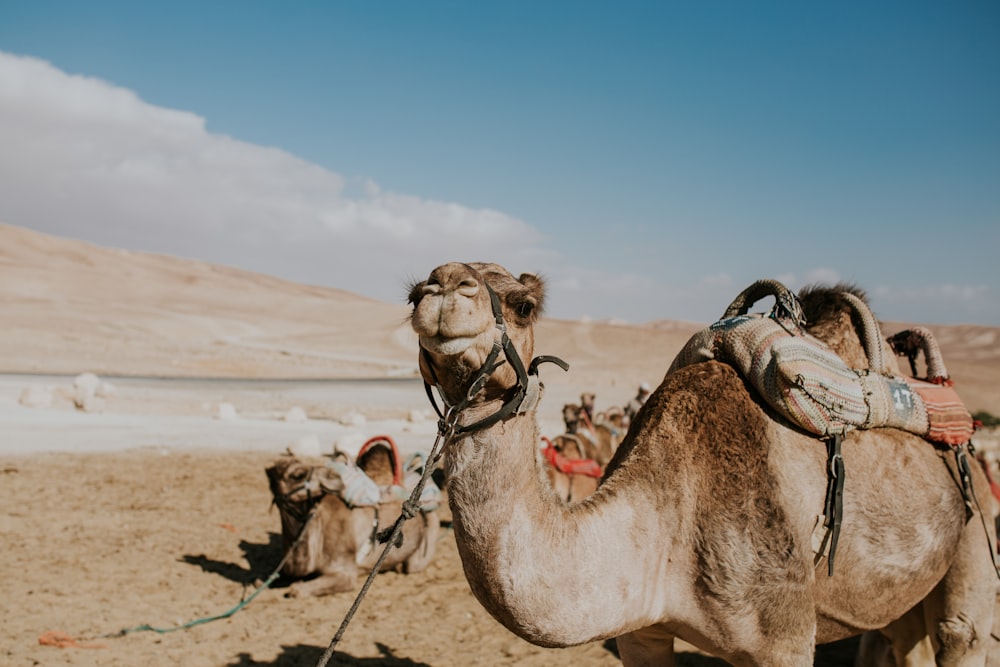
<point x="71" y="306"/>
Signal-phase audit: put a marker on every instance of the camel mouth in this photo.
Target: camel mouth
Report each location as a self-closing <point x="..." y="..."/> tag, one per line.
<point x="447" y="345"/>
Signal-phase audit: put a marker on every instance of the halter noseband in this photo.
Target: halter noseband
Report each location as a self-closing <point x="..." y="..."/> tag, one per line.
<point x="300" y="509"/>
<point x="501" y="343"/>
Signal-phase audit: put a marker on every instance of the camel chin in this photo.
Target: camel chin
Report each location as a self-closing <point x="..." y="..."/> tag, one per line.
<point x="447" y="346"/>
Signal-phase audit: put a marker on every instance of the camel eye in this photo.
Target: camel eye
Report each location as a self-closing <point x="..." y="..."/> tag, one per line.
<point x="525" y="309"/>
<point x="297" y="475"/>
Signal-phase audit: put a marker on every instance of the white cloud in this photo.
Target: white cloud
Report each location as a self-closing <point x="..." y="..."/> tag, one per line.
<point x="84" y="158"/>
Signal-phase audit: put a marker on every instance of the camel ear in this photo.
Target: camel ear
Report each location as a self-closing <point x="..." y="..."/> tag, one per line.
<point x="529" y="302"/>
<point x="277" y="469"/>
<point x="330" y="480"/>
<point x="416" y="292"/>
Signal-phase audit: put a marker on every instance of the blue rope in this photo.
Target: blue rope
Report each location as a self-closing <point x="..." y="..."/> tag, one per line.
<point x="208" y="619"/>
<point x="198" y="621"/>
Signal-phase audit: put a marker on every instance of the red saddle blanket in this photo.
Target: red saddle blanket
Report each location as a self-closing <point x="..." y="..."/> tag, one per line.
<point x="947" y="418"/>
<point x="567" y="466"/>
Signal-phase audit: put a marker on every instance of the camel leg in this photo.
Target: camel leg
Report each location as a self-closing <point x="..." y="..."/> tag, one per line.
<point x="959" y="611"/>
<point x="326" y="584"/>
<point x="649" y="647"/>
<point x="903" y="643"/>
<point x="874" y="650"/>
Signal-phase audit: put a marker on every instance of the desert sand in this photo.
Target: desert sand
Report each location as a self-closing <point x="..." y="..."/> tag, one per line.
<point x="146" y="503"/>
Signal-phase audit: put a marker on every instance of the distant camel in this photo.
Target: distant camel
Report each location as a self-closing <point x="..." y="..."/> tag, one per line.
<point x="600" y="440"/>
<point x="571" y="471"/>
<point x="702" y="527"/>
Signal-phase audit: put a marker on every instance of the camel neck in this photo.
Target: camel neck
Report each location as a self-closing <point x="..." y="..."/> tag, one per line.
<point x="517" y="539"/>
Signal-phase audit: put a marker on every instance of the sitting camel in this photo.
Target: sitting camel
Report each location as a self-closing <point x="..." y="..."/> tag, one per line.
<point x="707" y="509"/>
<point x="600" y="440"/>
<point x="339" y="540"/>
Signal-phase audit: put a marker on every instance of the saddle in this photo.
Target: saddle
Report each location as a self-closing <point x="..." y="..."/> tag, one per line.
<point x="362" y="490"/>
<point x="568" y="466"/>
<point x="807" y="383"/>
<point x="812" y="387"/>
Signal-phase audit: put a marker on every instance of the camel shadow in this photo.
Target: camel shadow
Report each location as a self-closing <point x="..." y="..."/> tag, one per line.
<point x="307" y="656"/>
<point x="261" y="559"/>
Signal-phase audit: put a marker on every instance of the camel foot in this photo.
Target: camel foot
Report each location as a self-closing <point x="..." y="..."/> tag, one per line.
<point x="957" y="637"/>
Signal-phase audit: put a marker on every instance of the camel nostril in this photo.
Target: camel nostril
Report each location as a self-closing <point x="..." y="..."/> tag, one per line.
<point x="468" y="287"/>
<point x="432" y="287"/>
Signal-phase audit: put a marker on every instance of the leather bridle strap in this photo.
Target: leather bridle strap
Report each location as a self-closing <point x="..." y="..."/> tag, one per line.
<point x="299" y="510"/>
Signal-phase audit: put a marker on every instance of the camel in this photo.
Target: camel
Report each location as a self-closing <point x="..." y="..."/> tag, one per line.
<point x="600" y="439"/>
<point x="572" y="473"/>
<point x="339" y="541"/>
<point x="702" y="525"/>
<point x="613" y="418"/>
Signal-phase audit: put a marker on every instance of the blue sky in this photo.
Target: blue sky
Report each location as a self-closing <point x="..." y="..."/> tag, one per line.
<point x="649" y="159"/>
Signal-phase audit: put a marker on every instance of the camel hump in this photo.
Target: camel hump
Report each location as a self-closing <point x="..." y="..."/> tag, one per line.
<point x="379" y="459"/>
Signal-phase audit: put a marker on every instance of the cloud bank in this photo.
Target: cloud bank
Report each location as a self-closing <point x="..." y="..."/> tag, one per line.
<point x="86" y="159"/>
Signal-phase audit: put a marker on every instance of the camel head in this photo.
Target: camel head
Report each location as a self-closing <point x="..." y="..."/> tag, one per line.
<point x="569" y="446"/>
<point x="295" y="484"/>
<point x="454" y="317"/>
<point x="571" y="417"/>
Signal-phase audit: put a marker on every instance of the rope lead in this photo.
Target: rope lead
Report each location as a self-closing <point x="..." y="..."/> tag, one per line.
<point x="395" y="536"/>
<point x="145" y="627"/>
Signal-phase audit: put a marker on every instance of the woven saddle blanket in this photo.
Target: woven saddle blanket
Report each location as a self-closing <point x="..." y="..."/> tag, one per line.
<point x="810" y="385"/>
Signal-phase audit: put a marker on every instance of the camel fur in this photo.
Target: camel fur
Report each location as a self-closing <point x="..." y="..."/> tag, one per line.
<point x="701" y="527"/>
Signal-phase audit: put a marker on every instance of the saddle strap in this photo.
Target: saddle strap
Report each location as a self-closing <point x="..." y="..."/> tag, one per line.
<point x="833" y="508"/>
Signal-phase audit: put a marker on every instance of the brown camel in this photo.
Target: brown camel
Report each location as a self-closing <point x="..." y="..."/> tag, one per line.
<point x="702" y="526"/>
<point x="600" y="440"/>
<point x="571" y="471"/>
<point x="339" y="541"/>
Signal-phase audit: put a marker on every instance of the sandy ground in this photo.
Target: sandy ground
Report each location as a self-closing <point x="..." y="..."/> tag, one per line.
<point x="164" y="537"/>
<point x="133" y="517"/>
<point x="136" y="516"/>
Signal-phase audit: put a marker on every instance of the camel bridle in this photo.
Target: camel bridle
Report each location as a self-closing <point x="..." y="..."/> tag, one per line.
<point x="518" y="392"/>
<point x="301" y="509"/>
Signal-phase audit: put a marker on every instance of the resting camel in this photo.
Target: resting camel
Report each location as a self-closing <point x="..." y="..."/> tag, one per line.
<point x="339" y="542"/>
<point x="701" y="527"/>
<point x="600" y="440"/>
<point x="571" y="471"/>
